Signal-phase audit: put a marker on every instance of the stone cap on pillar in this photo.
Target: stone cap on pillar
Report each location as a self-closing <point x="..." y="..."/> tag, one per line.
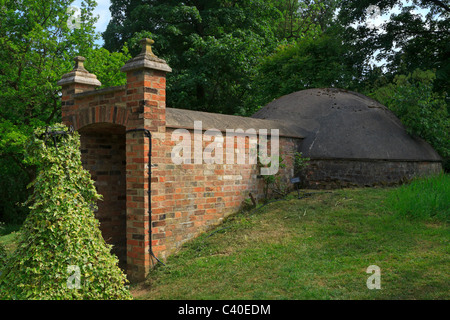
<point x="79" y="75"/>
<point x="146" y="59"/>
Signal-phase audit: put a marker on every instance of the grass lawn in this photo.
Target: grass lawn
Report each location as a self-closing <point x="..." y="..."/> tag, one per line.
<point x="318" y="247"/>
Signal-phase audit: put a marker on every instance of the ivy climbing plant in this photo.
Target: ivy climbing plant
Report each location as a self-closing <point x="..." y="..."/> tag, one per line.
<point x="61" y="253"/>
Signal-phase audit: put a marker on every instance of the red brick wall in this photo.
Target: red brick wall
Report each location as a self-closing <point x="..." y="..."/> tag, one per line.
<point x="146" y="110"/>
<point x="188" y="199"/>
<point x="82" y="108"/>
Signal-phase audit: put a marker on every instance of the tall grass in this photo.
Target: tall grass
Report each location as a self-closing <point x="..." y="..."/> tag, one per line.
<point x="423" y="198"/>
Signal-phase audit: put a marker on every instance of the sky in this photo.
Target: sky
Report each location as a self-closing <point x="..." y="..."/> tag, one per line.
<point x="103" y="13"/>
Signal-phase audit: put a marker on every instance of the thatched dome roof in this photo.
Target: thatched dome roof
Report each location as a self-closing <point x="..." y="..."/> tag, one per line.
<point x="343" y="124"/>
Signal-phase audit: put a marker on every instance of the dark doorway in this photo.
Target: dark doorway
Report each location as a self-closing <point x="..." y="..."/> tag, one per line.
<point x="103" y="154"/>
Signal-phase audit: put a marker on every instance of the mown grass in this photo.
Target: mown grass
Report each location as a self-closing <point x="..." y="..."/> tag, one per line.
<point x="318" y="247"/>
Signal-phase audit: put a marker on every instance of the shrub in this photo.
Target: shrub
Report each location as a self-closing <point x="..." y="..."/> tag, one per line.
<point x="61" y="253"/>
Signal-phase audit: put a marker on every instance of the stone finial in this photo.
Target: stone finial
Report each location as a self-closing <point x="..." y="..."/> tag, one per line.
<point x="79" y="75"/>
<point x="146" y="59"/>
<point x="79" y="63"/>
<point x="146" y="44"/>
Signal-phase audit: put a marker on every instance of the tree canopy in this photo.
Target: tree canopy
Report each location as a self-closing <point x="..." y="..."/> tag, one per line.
<point x="37" y="46"/>
<point x="215" y="47"/>
<point x="415" y="35"/>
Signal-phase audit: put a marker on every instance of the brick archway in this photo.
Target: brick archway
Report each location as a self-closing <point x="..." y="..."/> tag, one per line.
<point x="103" y="117"/>
<point x="112" y="114"/>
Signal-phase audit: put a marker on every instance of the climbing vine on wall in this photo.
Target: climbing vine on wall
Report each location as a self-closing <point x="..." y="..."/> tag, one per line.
<point x="61" y="253"/>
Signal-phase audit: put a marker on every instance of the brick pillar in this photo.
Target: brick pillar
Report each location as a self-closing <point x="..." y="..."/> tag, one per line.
<point x="146" y="103"/>
<point x="76" y="81"/>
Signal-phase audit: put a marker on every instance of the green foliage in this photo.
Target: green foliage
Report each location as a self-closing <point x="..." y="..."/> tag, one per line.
<point x="61" y="231"/>
<point x="2" y="248"/>
<point x="3" y="253"/>
<point x="36" y="49"/>
<point x="13" y="182"/>
<point x="3" y="256"/>
<point x="219" y="73"/>
<point x="312" y="62"/>
<point x="214" y="47"/>
<point x="275" y="185"/>
<point x="416" y="35"/>
<point x="304" y="19"/>
<point x="300" y="163"/>
<point x="423" y="111"/>
<point x="106" y="66"/>
<point x="424" y="198"/>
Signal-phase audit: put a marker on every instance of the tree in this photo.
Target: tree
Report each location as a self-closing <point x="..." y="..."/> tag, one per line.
<point x="423" y="111"/>
<point x="311" y="62"/>
<point x="61" y="253"/>
<point x="36" y="48"/>
<point x="212" y="46"/>
<point x="37" y="45"/>
<point x="215" y="47"/>
<point x="306" y="18"/>
<point x="416" y="35"/>
<point x="106" y="65"/>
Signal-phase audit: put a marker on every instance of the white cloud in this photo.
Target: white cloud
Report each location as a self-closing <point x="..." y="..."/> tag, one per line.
<point x="102" y="10"/>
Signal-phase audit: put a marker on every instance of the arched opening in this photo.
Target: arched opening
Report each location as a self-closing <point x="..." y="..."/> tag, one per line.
<point x="103" y="154"/>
